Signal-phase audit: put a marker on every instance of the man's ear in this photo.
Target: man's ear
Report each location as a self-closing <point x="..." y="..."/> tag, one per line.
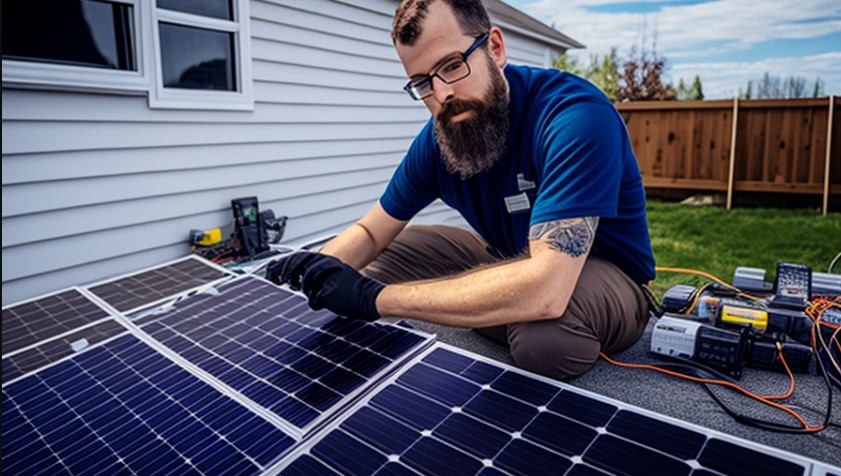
<point x="496" y="45"/>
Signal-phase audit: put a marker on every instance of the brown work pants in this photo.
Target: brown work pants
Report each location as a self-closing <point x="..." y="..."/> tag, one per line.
<point x="607" y="311"/>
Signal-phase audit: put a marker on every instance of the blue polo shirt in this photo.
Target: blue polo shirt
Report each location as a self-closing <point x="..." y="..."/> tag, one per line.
<point x="568" y="155"/>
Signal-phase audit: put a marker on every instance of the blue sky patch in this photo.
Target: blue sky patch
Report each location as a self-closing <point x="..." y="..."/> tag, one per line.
<point x="725" y="42"/>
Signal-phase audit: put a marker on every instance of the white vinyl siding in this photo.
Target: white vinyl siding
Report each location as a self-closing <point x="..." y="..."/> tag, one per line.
<point x="97" y="184"/>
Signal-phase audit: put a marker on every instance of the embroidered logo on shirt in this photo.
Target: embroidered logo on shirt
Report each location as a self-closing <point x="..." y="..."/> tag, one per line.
<point x="524" y="184"/>
<point x="517" y="203"/>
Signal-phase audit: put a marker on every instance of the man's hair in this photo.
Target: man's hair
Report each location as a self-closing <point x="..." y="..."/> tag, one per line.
<point x="408" y="18"/>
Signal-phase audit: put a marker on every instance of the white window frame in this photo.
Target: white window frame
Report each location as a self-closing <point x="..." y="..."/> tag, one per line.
<point x="178" y="98"/>
<point x="59" y="76"/>
<point x="148" y="79"/>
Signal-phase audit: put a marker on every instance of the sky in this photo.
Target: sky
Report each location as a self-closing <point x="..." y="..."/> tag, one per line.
<point x="726" y="42"/>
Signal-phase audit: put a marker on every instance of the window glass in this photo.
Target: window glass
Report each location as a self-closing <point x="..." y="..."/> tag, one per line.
<point x="75" y="32"/>
<point x="195" y="58"/>
<point x="208" y="8"/>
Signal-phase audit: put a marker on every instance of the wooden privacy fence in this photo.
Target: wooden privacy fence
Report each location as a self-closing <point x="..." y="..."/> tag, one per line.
<point x="781" y="146"/>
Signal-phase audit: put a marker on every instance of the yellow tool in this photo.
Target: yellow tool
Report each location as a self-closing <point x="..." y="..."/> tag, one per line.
<point x="210" y="237"/>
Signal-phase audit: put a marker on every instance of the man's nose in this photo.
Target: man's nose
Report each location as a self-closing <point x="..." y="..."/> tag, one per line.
<point x="441" y="90"/>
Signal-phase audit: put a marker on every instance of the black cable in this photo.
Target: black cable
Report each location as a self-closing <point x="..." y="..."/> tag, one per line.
<point x="779" y="427"/>
<point x="755" y="422"/>
<point x="695" y="369"/>
<point x="693" y="366"/>
<point x="823" y="355"/>
<point x="654" y="306"/>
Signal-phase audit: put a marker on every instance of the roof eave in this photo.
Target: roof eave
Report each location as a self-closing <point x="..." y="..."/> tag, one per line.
<point x="567" y="43"/>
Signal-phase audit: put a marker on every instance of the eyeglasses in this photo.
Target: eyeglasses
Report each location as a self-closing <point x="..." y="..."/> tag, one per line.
<point x="453" y="70"/>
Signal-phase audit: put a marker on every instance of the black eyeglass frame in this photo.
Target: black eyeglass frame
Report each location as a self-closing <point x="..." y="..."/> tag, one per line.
<point x="411" y="86"/>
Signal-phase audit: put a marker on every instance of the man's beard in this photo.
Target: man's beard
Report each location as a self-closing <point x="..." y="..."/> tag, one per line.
<point x="475" y="143"/>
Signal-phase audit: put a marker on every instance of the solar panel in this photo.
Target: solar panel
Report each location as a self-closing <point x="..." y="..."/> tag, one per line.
<point x="450" y="412"/>
<point x="153" y="286"/>
<point x="244" y="378"/>
<point x="40" y="356"/>
<point x="30" y="322"/>
<point x="265" y="343"/>
<point x="123" y="408"/>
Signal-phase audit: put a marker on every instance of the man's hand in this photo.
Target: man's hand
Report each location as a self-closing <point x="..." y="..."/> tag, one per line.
<point x="328" y="283"/>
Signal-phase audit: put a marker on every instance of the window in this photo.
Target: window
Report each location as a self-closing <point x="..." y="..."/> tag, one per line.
<point x="102" y="34"/>
<point x="204" y="56"/>
<point x="192" y="58"/>
<point x="185" y="54"/>
<point x="78" y="44"/>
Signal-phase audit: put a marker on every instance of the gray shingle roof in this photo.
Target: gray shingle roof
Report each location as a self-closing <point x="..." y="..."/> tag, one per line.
<point x="505" y="15"/>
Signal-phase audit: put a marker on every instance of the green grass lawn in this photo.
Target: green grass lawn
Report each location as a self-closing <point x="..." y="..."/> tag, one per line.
<point x="717" y="241"/>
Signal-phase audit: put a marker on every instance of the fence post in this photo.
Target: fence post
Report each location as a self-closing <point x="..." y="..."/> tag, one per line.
<point x="828" y="155"/>
<point x="732" y="171"/>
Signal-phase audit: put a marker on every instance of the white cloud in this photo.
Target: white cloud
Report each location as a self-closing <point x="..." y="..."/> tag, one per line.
<point x="723" y="80"/>
<point x="741" y="23"/>
<point x="698" y="32"/>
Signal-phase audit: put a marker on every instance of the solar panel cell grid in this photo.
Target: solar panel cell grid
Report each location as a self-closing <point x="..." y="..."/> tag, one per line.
<point x="45" y="318"/>
<point x="164" y="282"/>
<point x="307" y="466"/>
<point x="52" y="351"/>
<point x="452" y="414"/>
<point x="245" y="337"/>
<point x="728" y="457"/>
<point x="123" y="408"/>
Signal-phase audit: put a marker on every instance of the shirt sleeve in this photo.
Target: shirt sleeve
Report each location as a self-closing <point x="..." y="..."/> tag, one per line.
<point x="413" y="185"/>
<point x="582" y="168"/>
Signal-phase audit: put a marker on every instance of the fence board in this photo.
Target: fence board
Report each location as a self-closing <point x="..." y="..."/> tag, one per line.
<point x="780" y="145"/>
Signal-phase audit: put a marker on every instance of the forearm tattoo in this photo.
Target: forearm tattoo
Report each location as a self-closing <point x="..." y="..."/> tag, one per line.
<point x="572" y="236"/>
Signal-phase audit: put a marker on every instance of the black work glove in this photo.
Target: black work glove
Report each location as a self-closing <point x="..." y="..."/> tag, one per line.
<point x="328" y="283"/>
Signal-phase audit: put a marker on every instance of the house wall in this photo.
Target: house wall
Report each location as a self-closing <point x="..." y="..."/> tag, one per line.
<point x="98" y="184"/>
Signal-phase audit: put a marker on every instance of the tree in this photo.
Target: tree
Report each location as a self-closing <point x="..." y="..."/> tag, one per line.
<point x="818" y="91"/>
<point x="682" y="90"/>
<point x="569" y="64"/>
<point x="696" y="92"/>
<point x="642" y="77"/>
<point x="778" y="87"/>
<point x="639" y="78"/>
<point x="606" y="74"/>
<point x="671" y="93"/>
<point x="769" y="87"/>
<point x="603" y="72"/>
<point x="690" y="93"/>
<point x="795" y="87"/>
<point x="747" y="93"/>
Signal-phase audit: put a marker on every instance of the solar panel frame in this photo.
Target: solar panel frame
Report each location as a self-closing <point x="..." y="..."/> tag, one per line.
<point x="148" y="301"/>
<point x="175" y="407"/>
<point x="434" y="412"/>
<point x="20" y="338"/>
<point x="371" y="366"/>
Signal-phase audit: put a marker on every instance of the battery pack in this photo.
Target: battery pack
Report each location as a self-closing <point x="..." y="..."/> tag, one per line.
<point x="677" y="297"/>
<point x="764" y="354"/>
<point x="722" y="348"/>
<point x="734" y="316"/>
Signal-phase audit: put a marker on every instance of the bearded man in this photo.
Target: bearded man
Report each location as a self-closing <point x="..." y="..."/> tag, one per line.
<point x="540" y="165"/>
